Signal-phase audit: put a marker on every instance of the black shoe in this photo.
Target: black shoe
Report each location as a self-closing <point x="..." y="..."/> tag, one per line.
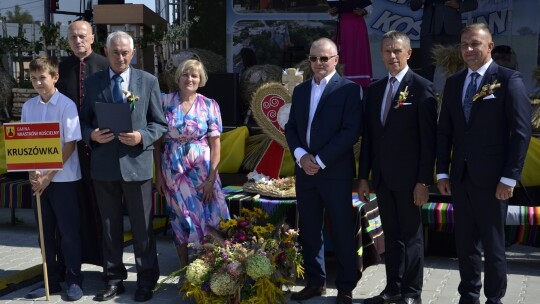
<point x="308" y="292"/>
<point x="110" y="292"/>
<point x="143" y="294"/>
<point x="406" y="300"/>
<point x="383" y="298"/>
<point x="344" y="297"/>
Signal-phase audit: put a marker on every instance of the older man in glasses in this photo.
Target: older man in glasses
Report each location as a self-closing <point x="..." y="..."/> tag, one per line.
<point x="324" y="124"/>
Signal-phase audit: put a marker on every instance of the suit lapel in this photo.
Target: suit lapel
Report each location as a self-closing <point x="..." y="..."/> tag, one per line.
<point x="406" y="81"/>
<point x="379" y="101"/>
<point x="489" y="77"/>
<point x="106" y="86"/>
<point x="330" y="86"/>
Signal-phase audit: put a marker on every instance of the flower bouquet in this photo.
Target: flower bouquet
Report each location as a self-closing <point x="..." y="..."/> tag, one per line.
<point x="244" y="260"/>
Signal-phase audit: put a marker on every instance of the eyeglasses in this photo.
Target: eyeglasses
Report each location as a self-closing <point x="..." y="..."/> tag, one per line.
<point x="320" y="58"/>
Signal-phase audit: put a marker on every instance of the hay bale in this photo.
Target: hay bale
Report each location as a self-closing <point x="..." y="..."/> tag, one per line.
<point x="253" y="77"/>
<point x="448" y="57"/>
<point x="214" y="63"/>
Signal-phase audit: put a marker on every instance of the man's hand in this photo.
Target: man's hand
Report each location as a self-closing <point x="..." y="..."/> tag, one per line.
<point x="504" y="192"/>
<point x="130" y="139"/>
<point x="309" y="164"/>
<point x="102" y="136"/>
<point x="333" y="11"/>
<point x="452" y="3"/>
<point x="363" y="190"/>
<point x="444" y="186"/>
<point x="420" y="194"/>
<point x="360" y="12"/>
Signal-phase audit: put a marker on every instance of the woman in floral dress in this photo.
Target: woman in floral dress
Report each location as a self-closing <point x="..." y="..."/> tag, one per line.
<point x="187" y="158"/>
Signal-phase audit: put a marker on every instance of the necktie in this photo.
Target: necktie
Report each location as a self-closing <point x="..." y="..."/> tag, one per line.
<point x="118" y="96"/>
<point x="469" y="94"/>
<point x="389" y="97"/>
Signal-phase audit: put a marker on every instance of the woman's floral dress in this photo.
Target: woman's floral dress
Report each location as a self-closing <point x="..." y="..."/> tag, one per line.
<point x="185" y="163"/>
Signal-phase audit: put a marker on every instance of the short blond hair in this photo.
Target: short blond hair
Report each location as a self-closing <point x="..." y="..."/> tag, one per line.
<point x="191" y="65"/>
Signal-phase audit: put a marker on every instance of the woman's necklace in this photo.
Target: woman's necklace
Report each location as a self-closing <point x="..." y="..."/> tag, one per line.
<point x="187" y="105"/>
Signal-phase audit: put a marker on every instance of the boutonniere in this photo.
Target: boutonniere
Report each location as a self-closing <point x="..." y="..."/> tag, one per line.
<point x="131" y="98"/>
<point x="487" y="89"/>
<point x="402" y="98"/>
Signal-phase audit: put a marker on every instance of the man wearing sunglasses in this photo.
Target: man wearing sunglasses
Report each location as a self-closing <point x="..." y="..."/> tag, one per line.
<point x="324" y="124"/>
<point x="398" y="149"/>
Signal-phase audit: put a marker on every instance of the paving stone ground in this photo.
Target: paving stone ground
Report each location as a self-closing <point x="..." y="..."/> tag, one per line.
<point x="19" y="251"/>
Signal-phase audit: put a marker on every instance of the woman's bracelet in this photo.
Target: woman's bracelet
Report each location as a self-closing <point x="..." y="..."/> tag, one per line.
<point x="211" y="181"/>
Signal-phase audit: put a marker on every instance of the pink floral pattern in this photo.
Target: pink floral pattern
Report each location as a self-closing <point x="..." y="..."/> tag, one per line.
<point x="185" y="165"/>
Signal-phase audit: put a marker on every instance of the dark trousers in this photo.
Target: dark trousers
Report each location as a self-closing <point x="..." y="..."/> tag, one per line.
<point x="60" y="213"/>
<point x="404" y="250"/>
<point x="426" y="45"/>
<point x="314" y="196"/>
<point x="137" y="197"/>
<point x="479" y="223"/>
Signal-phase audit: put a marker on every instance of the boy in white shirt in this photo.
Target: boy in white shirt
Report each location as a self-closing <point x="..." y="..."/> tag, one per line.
<point x="57" y="189"/>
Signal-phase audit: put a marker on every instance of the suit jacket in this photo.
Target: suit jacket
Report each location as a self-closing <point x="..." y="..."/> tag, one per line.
<point x="334" y="130"/>
<point x="495" y="141"/>
<point x="402" y="152"/>
<point x="68" y="69"/>
<point x="438" y="18"/>
<point x="113" y="161"/>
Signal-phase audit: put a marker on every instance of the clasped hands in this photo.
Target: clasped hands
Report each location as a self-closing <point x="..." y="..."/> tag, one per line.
<point x="309" y="164"/>
<point x="503" y="191"/>
<point x="105" y="135"/>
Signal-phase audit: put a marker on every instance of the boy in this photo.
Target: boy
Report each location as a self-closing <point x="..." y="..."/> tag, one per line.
<point x="60" y="209"/>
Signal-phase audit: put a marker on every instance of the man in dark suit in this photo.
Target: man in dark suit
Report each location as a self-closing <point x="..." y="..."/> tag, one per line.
<point x="483" y="134"/>
<point x="121" y="166"/>
<point x="323" y="126"/>
<point x="73" y="70"/>
<point x="398" y="148"/>
<point x="441" y="24"/>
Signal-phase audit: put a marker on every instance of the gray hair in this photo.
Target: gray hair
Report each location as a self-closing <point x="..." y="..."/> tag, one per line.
<point x="396" y="35"/>
<point x="119" y="35"/>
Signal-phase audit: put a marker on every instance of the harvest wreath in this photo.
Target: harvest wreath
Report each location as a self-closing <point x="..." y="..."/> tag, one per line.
<point x="266" y="186"/>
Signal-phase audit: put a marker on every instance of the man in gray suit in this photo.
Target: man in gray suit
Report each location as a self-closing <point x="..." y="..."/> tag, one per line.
<point x="121" y="165"/>
<point x="441" y="24"/>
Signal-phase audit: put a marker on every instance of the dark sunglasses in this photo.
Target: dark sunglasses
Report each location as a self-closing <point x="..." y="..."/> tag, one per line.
<point x="320" y="58"/>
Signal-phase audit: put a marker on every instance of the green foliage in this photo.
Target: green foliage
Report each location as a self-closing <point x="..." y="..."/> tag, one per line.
<point x="19" y="17"/>
<point x="209" y="32"/>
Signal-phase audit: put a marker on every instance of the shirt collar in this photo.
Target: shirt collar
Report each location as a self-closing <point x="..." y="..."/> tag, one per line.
<point x="124" y="74"/>
<point x="482" y="70"/>
<point x="399" y="76"/>
<point x="53" y="100"/>
<point x="324" y="81"/>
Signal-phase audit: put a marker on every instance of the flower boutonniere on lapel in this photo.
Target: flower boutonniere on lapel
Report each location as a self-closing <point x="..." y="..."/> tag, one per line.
<point x="487" y="91"/>
<point x="131" y="98"/>
<point x="402" y="98"/>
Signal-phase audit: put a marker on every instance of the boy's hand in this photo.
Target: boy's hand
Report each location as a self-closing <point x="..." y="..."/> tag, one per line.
<point x="102" y="136"/>
<point x="40" y="182"/>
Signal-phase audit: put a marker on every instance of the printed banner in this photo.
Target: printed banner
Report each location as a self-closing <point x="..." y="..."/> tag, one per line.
<point x="33" y="146"/>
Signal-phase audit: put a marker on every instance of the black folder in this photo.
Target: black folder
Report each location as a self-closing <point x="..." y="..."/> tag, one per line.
<point x="114" y="116"/>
